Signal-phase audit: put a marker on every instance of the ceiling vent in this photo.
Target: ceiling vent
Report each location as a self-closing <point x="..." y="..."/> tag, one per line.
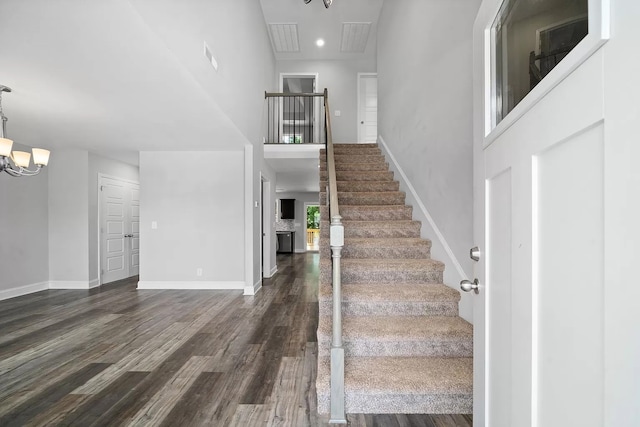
<point x="284" y="37"/>
<point x="354" y="36"/>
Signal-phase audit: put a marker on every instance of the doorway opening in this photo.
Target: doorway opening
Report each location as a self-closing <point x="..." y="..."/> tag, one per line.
<point x="119" y="228"/>
<point x="313" y="227"/>
<point x="300" y="117"/>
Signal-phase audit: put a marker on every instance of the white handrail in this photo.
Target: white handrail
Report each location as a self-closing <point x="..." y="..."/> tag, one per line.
<point x="336" y="241"/>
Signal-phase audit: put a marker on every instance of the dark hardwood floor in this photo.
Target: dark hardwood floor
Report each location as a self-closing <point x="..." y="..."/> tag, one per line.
<point x="117" y="356"/>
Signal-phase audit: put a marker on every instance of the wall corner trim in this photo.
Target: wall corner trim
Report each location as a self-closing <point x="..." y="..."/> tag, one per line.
<point x="273" y="271"/>
<point x="189" y="285"/>
<point x="423" y="209"/>
<point x="252" y="290"/>
<point x="23" y="290"/>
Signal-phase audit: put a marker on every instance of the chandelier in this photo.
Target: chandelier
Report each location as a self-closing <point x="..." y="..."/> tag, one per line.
<point x="16" y="163"/>
<point x="327" y="3"/>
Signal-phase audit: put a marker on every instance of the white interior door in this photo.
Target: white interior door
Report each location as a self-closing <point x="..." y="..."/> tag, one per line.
<point x="538" y="219"/>
<point x="367" y="107"/>
<point x="119" y="229"/>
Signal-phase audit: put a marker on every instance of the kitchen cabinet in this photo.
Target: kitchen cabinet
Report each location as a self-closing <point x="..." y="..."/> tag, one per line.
<point x="287" y="208"/>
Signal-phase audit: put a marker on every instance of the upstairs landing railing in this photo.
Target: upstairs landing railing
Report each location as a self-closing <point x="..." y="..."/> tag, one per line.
<point x="295" y="118"/>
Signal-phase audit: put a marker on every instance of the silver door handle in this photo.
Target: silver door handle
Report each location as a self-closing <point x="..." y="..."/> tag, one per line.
<point x="361" y="123"/>
<point x="468" y="286"/>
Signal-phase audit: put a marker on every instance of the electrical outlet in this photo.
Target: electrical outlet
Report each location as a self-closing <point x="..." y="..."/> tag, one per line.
<point x="154" y="225"/>
<point x="199" y="272"/>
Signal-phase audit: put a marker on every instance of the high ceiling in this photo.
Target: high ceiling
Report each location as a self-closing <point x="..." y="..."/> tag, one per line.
<point x="121" y="76"/>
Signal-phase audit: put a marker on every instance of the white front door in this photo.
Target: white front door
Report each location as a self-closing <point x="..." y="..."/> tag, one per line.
<point x="367" y="107"/>
<point x="119" y="229"/>
<point x="538" y="220"/>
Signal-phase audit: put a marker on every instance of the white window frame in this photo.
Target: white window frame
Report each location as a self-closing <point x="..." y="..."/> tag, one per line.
<point x="599" y="33"/>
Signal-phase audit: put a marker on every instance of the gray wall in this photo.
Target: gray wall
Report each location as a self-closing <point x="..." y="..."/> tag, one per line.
<point x="50" y="224"/>
<point x="73" y="212"/>
<point x="341" y="79"/>
<point x="24" y="254"/>
<point x="199" y="210"/>
<point x="69" y="216"/>
<point x="300" y="222"/>
<point x="425" y="109"/>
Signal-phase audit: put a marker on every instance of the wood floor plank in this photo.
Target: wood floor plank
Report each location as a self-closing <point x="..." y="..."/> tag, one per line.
<point x="250" y="415"/>
<point x="190" y="410"/>
<point x="162" y="402"/>
<point x="49" y="396"/>
<point x="96" y="411"/>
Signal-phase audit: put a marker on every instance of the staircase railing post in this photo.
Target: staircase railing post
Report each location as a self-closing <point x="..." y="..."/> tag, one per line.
<point x="336" y="241"/>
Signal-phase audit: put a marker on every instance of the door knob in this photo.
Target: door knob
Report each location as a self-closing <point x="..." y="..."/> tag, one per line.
<point x="468" y="286"/>
<point x="362" y="122"/>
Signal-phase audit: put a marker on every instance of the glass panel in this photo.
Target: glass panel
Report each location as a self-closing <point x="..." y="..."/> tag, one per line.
<point x="530" y="37"/>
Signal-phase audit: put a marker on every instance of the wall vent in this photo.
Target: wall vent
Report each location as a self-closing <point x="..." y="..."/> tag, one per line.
<point x="354" y="36"/>
<point x="284" y="37"/>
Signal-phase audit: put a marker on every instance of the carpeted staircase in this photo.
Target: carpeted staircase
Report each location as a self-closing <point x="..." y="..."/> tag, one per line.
<point x="406" y="348"/>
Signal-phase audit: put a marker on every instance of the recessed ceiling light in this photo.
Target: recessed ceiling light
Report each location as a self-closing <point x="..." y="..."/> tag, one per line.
<point x="319" y="42"/>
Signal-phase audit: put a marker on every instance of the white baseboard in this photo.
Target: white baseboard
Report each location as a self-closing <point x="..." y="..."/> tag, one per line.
<point x="252" y="290"/>
<point x="301" y="251"/>
<point x="23" y="290"/>
<point x="176" y="285"/>
<point x="273" y="271"/>
<point x="73" y="284"/>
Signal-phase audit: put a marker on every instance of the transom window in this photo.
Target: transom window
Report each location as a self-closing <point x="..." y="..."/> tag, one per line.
<point x="530" y="37"/>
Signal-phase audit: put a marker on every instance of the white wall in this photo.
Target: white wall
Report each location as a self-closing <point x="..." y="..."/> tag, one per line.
<point x="341" y="79"/>
<point x="425" y="112"/>
<point x="102" y="165"/>
<point x="69" y="218"/>
<point x="237" y="36"/>
<point x="300" y="221"/>
<point x="197" y="200"/>
<point x="24" y="254"/>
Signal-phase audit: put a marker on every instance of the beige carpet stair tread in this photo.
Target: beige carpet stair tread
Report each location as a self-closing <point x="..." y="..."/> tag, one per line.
<point x="346" y="175"/>
<point x="398" y="292"/>
<point x="358" y="186"/>
<point x="379" y="225"/>
<point x="359" y="166"/>
<point x="364" y="157"/>
<point x="384" y="299"/>
<point x="391" y="264"/>
<point x="402" y="385"/>
<point x="392" y="328"/>
<point x="382" y="248"/>
<point x="405" y="374"/>
<point x="371" y="212"/>
<point x="391" y="242"/>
